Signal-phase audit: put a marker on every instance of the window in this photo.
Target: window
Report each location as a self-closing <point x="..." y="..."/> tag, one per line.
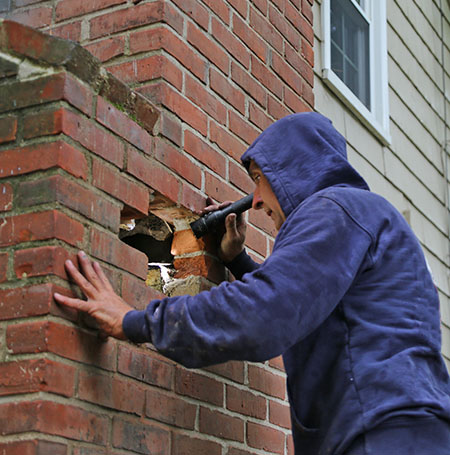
<point x="355" y="59"/>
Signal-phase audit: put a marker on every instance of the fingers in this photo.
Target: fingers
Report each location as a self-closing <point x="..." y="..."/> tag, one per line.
<point x="230" y="225"/>
<point x="87" y="288"/>
<point x="103" y="278"/>
<point x="88" y="270"/>
<point x="213" y="207"/>
<point x="77" y="304"/>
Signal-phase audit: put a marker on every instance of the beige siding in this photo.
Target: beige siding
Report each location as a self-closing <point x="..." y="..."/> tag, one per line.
<point x="410" y="171"/>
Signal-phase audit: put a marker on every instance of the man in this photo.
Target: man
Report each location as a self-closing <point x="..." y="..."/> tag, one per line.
<point x="345" y="297"/>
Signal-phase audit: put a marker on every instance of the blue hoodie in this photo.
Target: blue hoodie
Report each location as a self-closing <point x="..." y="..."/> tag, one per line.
<point x="346" y="297"/>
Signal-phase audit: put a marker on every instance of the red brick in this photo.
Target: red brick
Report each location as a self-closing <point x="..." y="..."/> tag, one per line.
<point x="202" y="42"/>
<point x="227" y="142"/>
<point x="242" y="128"/>
<point x="233" y="370"/>
<point x="261" y="5"/>
<point x="126" y="19"/>
<point x="258" y="117"/>
<point x="108" y="48"/>
<point x="3" y="266"/>
<point x="200" y="266"/>
<point x="69" y="8"/>
<point x="154" y="175"/>
<point x="70" y="194"/>
<point x="140" y="438"/>
<point x="290" y="445"/>
<point x="194" y="385"/>
<point x="136" y="293"/>
<point x="184" y="445"/>
<point x="36" y="447"/>
<point x="221" y="9"/>
<point x="35" y="17"/>
<point x="160" y="38"/>
<point x="111" y="392"/>
<point x="267" y="78"/>
<point x="31" y="93"/>
<point x="308" y="94"/>
<point x="88" y="451"/>
<point x="276" y="109"/>
<point x="121" y="124"/>
<point x="266" y="31"/>
<point x="41" y="226"/>
<point x="301" y="66"/>
<point x="6" y="197"/>
<point x="111" y="181"/>
<point x="142" y="364"/>
<point x="267" y="382"/>
<point x="248" y="84"/>
<point x="294" y="101"/>
<point x="307" y="52"/>
<point x="78" y="94"/>
<point x="260" y="219"/>
<point x="279" y="414"/>
<point x="256" y="241"/>
<point x="240" y="178"/>
<point x="229" y="41"/>
<point x="227" y="91"/>
<point x="170" y="409"/>
<point x="8" y="129"/>
<point x="233" y="451"/>
<point x="70" y="31"/>
<point x="55" y="419"/>
<point x="307" y="11"/>
<point x="289" y="32"/>
<point x="246" y="403"/>
<point x="191" y="199"/>
<point x="62" y="340"/>
<point x="219" y="190"/>
<point x="195" y="11"/>
<point x="199" y="95"/>
<point x="286" y="73"/>
<point x="277" y="362"/>
<point x="201" y="151"/>
<point x="42" y="261"/>
<point x="250" y="38"/>
<point x="110" y="249"/>
<point x="221" y="425"/>
<point x="36" y="375"/>
<point x="265" y="438"/>
<point x="44" y="156"/>
<point x="34" y="300"/>
<point x="178" y="162"/>
<point x="240" y="6"/>
<point x="300" y="23"/>
<point x="170" y="127"/>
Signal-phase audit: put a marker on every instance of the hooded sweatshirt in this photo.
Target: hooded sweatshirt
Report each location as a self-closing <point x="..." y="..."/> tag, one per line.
<point x="346" y="297"/>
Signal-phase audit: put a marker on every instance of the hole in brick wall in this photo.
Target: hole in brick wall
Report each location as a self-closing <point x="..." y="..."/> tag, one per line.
<point x="152" y="236"/>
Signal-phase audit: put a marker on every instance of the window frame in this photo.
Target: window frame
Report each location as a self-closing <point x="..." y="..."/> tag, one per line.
<point x="377" y="118"/>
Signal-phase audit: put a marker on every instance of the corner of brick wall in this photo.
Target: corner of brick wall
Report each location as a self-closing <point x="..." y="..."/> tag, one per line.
<point x="217" y="73"/>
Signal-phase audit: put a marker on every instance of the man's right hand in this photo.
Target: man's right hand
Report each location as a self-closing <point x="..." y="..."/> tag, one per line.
<point x="232" y="242"/>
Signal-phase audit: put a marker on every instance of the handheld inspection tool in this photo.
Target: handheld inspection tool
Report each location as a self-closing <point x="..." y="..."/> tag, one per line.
<point x="211" y="220"/>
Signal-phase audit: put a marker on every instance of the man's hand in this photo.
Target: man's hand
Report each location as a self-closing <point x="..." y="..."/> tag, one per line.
<point x="232" y="242"/>
<point x="102" y="303"/>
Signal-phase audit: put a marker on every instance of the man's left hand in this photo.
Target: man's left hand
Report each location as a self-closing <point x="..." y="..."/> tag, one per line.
<point x="102" y="303"/>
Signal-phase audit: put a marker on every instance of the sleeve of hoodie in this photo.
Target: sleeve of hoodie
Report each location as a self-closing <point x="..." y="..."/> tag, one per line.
<point x="317" y="255"/>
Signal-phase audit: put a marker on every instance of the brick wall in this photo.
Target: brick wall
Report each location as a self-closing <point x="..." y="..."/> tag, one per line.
<point x="79" y="152"/>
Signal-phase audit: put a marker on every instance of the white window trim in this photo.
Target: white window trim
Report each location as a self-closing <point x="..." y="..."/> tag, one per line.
<point x="376" y="119"/>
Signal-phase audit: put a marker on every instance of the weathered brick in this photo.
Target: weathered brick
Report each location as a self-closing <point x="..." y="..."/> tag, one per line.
<point x="239" y="177"/>
<point x="8" y="129"/>
<point x="256" y="240"/>
<point x="301" y="66"/>
<point x="242" y="128"/>
<point x="136" y="293"/>
<point x="70" y="194"/>
<point x="68" y="9"/>
<point x="307" y="52"/>
<point x="194" y="385"/>
<point x="126" y="19"/>
<point x="200" y="266"/>
<point x="220" y="8"/>
<point x="170" y="127"/>
<point x="219" y="190"/>
<point x="286" y="73"/>
<point x="266" y="30"/>
<point x="53" y="418"/>
<point x="28" y="376"/>
<point x="36" y="300"/>
<point x="221" y="425"/>
<point x="108" y="48"/>
<point x="258" y="117"/>
<point x="111" y="181"/>
<point x="248" y="84"/>
<point x="185" y="445"/>
<point x="36" y="17"/>
<point x="6" y="197"/>
<point x="233" y="370"/>
<point x="154" y="175"/>
<point x="266" y="382"/>
<point x="267" y="78"/>
<point x="143" y="365"/>
<point x="144" y="439"/>
<point x="230" y="43"/>
<point x="65" y="341"/>
<point x="194" y="10"/>
<point x="246" y="403"/>
<point x="4" y="257"/>
<point x="170" y="409"/>
<point x="110" y="249"/>
<point x="226" y="90"/>
<point x="265" y="438"/>
<point x="294" y="101"/>
<point x="24" y="160"/>
<point x="111" y="392"/>
<point x="250" y="38"/>
<point x="227" y="142"/>
<point x="300" y="23"/>
<point x="234" y="451"/>
<point x="185" y="242"/>
<point x="289" y="32"/>
<point x="36" y="447"/>
<point x="41" y="226"/>
<point x="276" y="109"/>
<point x="70" y="31"/>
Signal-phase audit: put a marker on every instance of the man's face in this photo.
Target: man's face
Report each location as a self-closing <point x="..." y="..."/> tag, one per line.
<point x="264" y="197"/>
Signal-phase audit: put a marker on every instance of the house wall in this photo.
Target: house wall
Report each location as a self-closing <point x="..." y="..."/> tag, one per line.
<point x="214" y="73"/>
<point x="410" y="171"/>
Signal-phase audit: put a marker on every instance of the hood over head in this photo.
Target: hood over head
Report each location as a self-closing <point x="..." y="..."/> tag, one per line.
<point x="300" y="155"/>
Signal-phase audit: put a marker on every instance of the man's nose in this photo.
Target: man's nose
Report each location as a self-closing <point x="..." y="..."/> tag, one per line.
<point x="257" y="200"/>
